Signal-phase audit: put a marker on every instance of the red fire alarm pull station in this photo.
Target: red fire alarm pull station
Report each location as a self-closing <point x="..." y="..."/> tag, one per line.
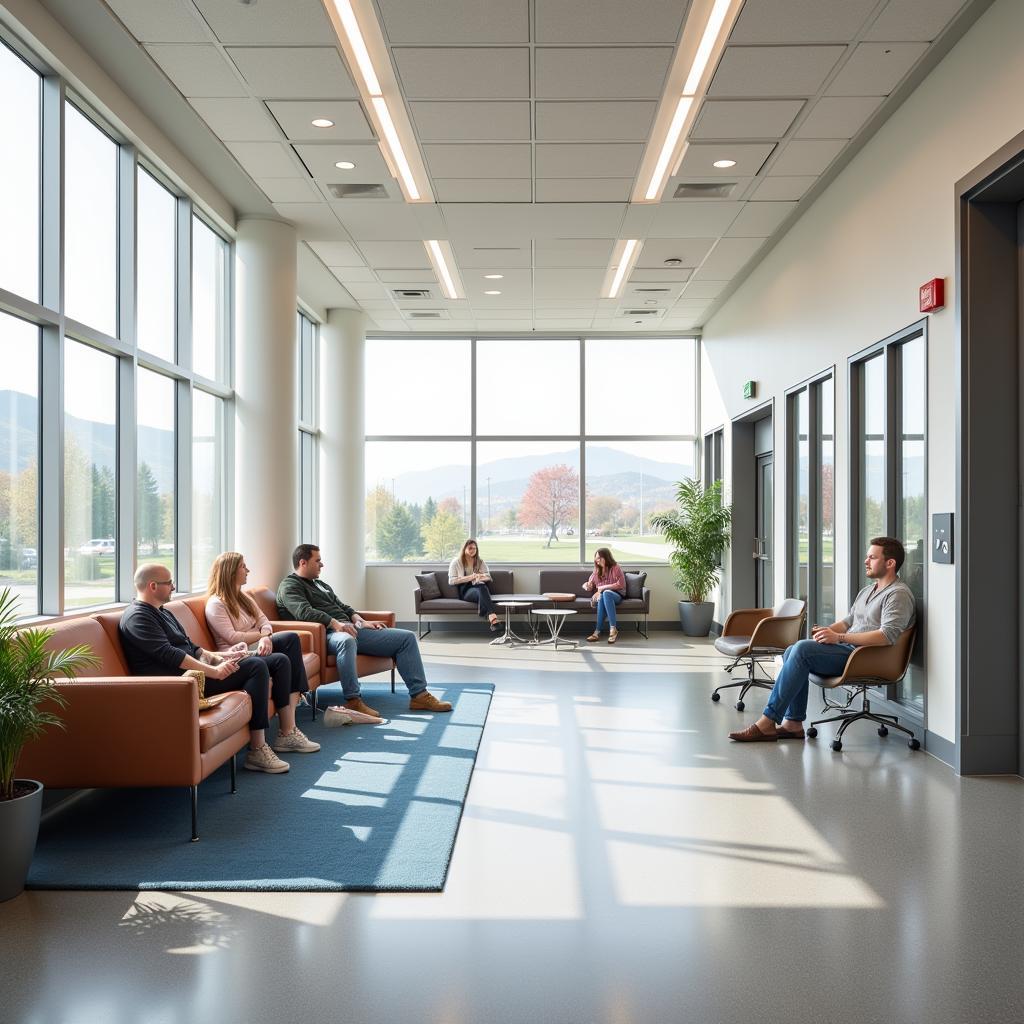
<point x="933" y="295"/>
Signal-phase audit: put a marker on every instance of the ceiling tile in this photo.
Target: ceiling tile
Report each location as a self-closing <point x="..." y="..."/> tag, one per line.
<point x="361" y="274"/>
<point x="839" y="117"/>
<point x="299" y="72"/>
<point x="656" y="250"/>
<point x="913" y="20"/>
<point x="609" y="72"/>
<point x="479" y="161"/>
<point x="483" y="222"/>
<point x="692" y="219"/>
<point x="367" y="290"/>
<point x="783" y="187"/>
<point x="729" y="255"/>
<point x="875" y="69"/>
<point x="579" y="305"/>
<point x="774" y="70"/>
<point x="548" y="324"/>
<point x="386" y="222"/>
<point x="801" y="21"/>
<point x="699" y="159"/>
<point x="745" y="119"/>
<point x="288" y="190"/>
<point x="494" y="254"/>
<point x="584" y="190"/>
<point x="320" y="160"/>
<point x="483" y="190"/>
<point x="266" y="159"/>
<point x="173" y="21"/>
<point x="453" y="21"/>
<point x="269" y="21"/>
<point x="514" y="283"/>
<point x="651" y="293"/>
<point x="569" y="284"/>
<point x="311" y="220"/>
<point x="498" y="315"/>
<point x="421" y="276"/>
<point x="807" y="157"/>
<point x="197" y="70"/>
<point x="580" y="160"/>
<point x="454" y="121"/>
<point x="704" y="289"/>
<point x="573" y="252"/>
<point x="237" y="120"/>
<point x="759" y="220"/>
<point x="464" y="73"/>
<point x="608" y="21"/>
<point x="643" y="275"/>
<point x="628" y="121"/>
<point x="337" y="254"/>
<point x="296" y="116"/>
<point x="395" y="255"/>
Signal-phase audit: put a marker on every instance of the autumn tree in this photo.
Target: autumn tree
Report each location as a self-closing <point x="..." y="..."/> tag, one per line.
<point x="603" y="512"/>
<point x="442" y="536"/>
<point x="551" y="499"/>
<point x="378" y="505"/>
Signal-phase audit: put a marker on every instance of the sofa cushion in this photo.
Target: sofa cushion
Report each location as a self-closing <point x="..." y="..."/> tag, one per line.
<point x="103" y="644"/>
<point x="448" y="604"/>
<point x="429" y="589"/>
<point x="194" y="625"/>
<point x="224" y="719"/>
<point x="635" y="584"/>
<point x="448" y="590"/>
<point x="563" y="581"/>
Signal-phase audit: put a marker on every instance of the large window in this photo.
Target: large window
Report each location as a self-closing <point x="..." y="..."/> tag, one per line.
<point x="811" y="498"/>
<point x="19" y="462"/>
<point x="155" y="261"/>
<point x="889" y="486"/>
<point x="487" y="437"/>
<point x="309" y="433"/>
<point x="90" y="223"/>
<point x="103" y="364"/>
<point x="20" y="89"/>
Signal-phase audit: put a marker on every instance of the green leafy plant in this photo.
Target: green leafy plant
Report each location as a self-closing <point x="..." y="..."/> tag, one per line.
<point x="27" y="672"/>
<point x="698" y="529"/>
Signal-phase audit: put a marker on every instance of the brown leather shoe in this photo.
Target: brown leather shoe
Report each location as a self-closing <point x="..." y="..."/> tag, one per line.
<point x="753" y="735"/>
<point x="790" y="734"/>
<point x="356" y="704"/>
<point x="426" y="701"/>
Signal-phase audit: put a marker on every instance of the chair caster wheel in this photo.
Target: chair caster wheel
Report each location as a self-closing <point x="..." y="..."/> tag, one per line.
<point x="882" y="731"/>
<point x="812" y="732"/>
<point x="740" y="705"/>
<point x="914" y="744"/>
<point x="837" y="745"/>
<point x="715" y="698"/>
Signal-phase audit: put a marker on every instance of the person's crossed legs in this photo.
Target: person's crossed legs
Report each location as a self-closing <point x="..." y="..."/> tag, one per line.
<point x="786" y="709"/>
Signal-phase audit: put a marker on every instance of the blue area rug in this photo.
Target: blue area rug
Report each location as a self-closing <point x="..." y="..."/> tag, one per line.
<point x="377" y="808"/>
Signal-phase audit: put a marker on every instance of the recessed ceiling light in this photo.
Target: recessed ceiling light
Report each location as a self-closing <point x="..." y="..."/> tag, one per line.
<point x="492" y="292"/>
<point x="673" y="261"/>
<point x="725" y="163"/>
<point x="322" y="122"/>
<point x="494" y="277"/>
<point x="345" y="165"/>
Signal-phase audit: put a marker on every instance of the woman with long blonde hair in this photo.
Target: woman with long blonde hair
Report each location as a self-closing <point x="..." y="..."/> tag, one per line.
<point x="469" y="572"/>
<point x="236" y="623"/>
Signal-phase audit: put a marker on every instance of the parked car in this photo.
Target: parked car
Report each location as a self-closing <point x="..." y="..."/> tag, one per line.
<point x="98" y="546"/>
<point x="29" y="558"/>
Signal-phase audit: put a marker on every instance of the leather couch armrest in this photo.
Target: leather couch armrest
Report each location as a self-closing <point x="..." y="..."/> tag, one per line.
<point x="417" y="599"/>
<point x="647" y="600"/>
<point x="388" y="618"/>
<point x="312" y="635"/>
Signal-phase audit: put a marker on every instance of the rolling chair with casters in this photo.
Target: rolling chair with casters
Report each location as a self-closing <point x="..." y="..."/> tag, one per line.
<point x="755" y="635"/>
<point x="867" y="667"/>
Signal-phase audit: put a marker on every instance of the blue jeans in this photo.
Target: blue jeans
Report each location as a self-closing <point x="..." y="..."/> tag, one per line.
<point x="788" y="698"/>
<point x="399" y="644"/>
<point x="607" y="601"/>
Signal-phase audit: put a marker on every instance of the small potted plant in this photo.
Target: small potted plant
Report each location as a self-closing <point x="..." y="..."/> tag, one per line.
<point x="698" y="529"/>
<point x="27" y="697"/>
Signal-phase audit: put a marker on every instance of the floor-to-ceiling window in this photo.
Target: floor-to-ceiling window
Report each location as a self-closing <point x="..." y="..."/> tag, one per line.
<point x="543" y="448"/>
<point x="115" y="343"/>
<point x="308" y="335"/>
<point x="810" y="419"/>
<point x="888" y="385"/>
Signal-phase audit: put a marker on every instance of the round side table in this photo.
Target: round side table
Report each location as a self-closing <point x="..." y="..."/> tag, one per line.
<point x="556" y="619"/>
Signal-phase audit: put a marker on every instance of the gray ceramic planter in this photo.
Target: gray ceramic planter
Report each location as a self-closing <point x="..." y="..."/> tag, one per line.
<point x="19" y="825"/>
<point x="696" y="618"/>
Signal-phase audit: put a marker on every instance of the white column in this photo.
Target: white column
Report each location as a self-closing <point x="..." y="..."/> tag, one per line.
<point x="342" y="470"/>
<point x="266" y="400"/>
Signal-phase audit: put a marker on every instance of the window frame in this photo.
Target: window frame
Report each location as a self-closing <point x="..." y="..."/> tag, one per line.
<point x="308" y="491"/>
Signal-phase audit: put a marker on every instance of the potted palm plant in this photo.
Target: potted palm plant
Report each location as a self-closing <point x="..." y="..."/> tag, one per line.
<point x="698" y="530"/>
<point x="27" y="700"/>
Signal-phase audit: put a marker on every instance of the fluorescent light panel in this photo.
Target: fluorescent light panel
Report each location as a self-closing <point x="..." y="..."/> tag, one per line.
<point x="395" y="145"/>
<point x="674" y="130"/>
<point x="626" y="261"/>
<point x="440" y="265"/>
<point x="707" y="43"/>
<point x="355" y="37"/>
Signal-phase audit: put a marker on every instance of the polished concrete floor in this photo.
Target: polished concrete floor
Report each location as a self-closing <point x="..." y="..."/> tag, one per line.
<point x="619" y="861"/>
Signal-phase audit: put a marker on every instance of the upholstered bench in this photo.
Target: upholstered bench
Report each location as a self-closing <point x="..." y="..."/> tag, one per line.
<point x="560" y="582"/>
<point x="435" y="596"/>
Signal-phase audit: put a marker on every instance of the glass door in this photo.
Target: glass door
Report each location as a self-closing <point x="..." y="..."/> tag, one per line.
<point x="764" y="560"/>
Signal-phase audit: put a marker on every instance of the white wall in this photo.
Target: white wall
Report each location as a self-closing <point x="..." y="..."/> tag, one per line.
<point x="848" y="274"/>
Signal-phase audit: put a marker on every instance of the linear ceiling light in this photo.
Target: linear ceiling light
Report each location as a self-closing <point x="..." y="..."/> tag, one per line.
<point x="630" y="252"/>
<point x="668" y="148"/>
<point x="355" y="37"/>
<point x="395" y="145"/>
<point x="440" y="265"/>
<point x="707" y="43"/>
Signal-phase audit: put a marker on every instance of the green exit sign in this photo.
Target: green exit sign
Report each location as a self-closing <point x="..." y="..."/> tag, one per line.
<point x="750" y="389"/>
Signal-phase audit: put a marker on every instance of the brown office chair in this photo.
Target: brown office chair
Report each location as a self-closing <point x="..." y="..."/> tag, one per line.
<point x="756" y="635"/>
<point x="867" y="667"/>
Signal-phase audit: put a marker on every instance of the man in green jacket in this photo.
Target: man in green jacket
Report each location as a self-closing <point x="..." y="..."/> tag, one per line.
<point x="304" y="596"/>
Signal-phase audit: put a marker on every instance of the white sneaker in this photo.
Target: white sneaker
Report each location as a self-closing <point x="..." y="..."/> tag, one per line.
<point x="335" y="716"/>
<point x="295" y="742"/>
<point x="265" y="760"/>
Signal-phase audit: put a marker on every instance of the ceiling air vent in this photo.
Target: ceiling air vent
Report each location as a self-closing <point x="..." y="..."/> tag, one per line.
<point x="704" y="190"/>
<point x="426" y="314"/>
<point x="638" y="289"/>
<point x="404" y="294"/>
<point x="356" y="191"/>
<point x="642" y="312"/>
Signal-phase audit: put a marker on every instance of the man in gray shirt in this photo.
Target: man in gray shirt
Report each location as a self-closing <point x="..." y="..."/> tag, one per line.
<point x="881" y="612"/>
